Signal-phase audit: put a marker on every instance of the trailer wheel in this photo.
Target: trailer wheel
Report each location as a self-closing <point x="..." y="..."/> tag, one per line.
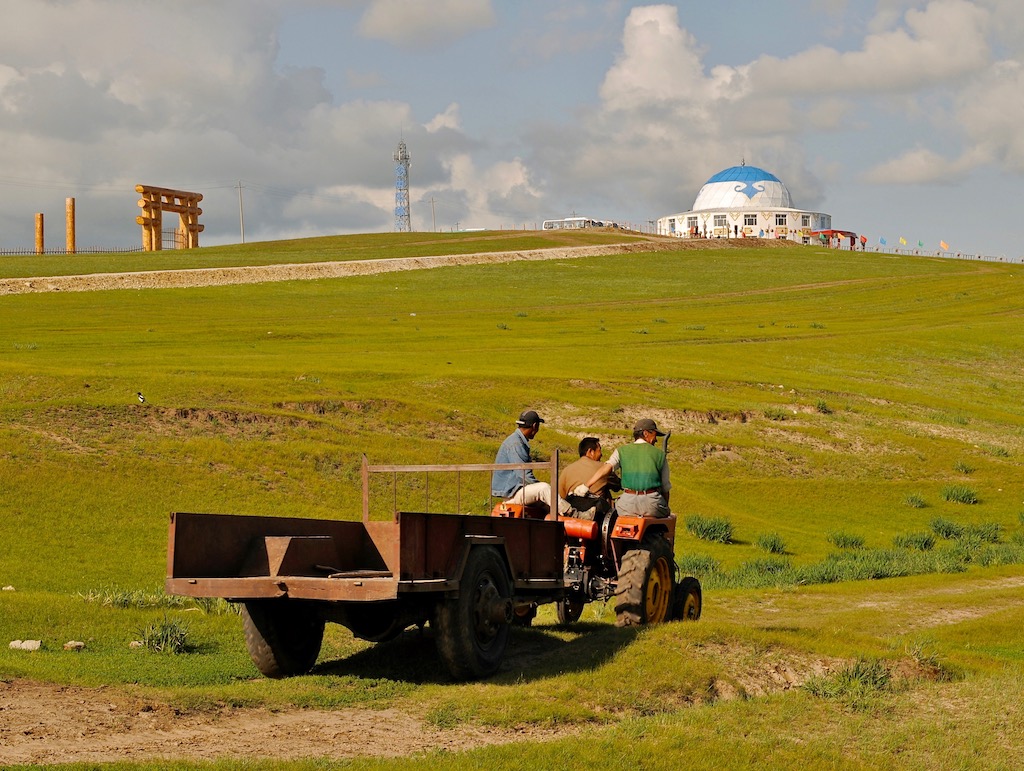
<point x="283" y="637"/>
<point x="569" y="611"/>
<point x="687" y="603"/>
<point x="644" y="591"/>
<point x="472" y="629"/>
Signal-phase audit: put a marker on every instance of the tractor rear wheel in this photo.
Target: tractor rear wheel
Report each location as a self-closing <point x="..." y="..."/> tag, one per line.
<point x="645" y="587"/>
<point x="569" y="611"/>
<point x="283" y="637"/>
<point x="471" y="634"/>
<point x="686" y="605"/>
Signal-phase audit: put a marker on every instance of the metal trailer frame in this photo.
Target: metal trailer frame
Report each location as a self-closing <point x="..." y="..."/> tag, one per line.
<point x="241" y="557"/>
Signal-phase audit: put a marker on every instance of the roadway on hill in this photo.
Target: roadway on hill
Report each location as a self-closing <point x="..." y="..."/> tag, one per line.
<point x="179" y="279"/>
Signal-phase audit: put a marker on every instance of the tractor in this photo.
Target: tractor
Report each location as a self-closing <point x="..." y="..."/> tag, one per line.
<point x="628" y="558"/>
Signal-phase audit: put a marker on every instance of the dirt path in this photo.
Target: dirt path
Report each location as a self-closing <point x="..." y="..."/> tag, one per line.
<point x="50" y="723"/>
<point x="176" y="279"/>
<point x="196" y="277"/>
<point x="45" y="723"/>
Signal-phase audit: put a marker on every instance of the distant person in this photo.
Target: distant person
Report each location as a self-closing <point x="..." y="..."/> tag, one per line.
<point x="517" y="485"/>
<point x="644" y="472"/>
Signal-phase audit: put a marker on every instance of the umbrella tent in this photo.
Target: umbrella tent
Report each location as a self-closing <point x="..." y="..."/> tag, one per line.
<point x="833" y="233"/>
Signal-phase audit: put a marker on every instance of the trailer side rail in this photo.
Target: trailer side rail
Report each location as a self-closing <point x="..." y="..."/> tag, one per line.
<point x="457" y="468"/>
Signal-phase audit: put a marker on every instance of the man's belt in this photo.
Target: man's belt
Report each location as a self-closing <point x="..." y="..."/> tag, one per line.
<point x="648" y="491"/>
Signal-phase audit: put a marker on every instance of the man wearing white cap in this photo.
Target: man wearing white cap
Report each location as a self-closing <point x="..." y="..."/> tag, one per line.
<point x="644" y="471"/>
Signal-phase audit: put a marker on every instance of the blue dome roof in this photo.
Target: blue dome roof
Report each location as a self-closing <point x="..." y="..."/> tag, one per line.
<point x="743" y="187"/>
<point x="744" y="174"/>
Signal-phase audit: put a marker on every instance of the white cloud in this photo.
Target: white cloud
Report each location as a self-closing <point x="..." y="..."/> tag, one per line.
<point x="449" y="119"/>
<point x="92" y="103"/>
<point x="665" y="124"/>
<point x="425" y="24"/>
<point x="945" y="40"/>
<point x="660" y="63"/>
<point x="829" y="114"/>
<point x="992" y="113"/>
<point x="666" y="121"/>
<point x="502" y="194"/>
<point x="921" y="166"/>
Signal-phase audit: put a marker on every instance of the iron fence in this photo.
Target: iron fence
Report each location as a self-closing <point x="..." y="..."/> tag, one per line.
<point x="87" y="250"/>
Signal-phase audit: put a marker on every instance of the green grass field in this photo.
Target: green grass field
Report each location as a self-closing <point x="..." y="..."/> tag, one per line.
<point x="831" y="407"/>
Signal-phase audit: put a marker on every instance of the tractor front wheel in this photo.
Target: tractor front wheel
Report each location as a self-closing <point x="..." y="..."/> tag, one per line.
<point x="686" y="605"/>
<point x="283" y="637"/>
<point x="645" y="587"/>
<point x="569" y="611"/>
<point x="471" y="631"/>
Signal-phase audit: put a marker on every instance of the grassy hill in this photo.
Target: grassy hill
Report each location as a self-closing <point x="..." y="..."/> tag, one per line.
<point x="818" y="400"/>
<point x="307" y="250"/>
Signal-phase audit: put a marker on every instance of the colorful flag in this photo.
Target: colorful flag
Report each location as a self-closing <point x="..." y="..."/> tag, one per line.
<point x="920" y="244"/>
<point x="944" y="246"/>
<point x="882" y="241"/>
<point x="903" y="241"/>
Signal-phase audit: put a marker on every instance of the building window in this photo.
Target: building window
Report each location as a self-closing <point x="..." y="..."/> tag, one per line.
<point x="750" y="220"/>
<point x="805" y="220"/>
<point x="720" y="221"/>
<point x="671" y="224"/>
<point x="780" y="219"/>
<point x="691" y="224"/>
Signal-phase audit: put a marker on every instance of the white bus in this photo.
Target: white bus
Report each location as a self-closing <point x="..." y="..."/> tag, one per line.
<point x="571" y="223"/>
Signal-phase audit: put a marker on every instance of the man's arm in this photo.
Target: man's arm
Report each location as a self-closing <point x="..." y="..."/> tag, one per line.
<point x="601" y="473"/>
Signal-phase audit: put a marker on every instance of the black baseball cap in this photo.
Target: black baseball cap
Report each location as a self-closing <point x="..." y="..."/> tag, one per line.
<point x="529" y="418"/>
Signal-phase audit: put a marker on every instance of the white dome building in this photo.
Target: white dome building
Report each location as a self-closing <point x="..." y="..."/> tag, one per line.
<point x="744" y="201"/>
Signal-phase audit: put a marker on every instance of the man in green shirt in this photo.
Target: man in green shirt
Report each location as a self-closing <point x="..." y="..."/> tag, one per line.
<point x="644" y="472"/>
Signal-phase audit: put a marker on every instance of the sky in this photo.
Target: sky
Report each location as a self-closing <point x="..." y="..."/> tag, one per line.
<point x="900" y="118"/>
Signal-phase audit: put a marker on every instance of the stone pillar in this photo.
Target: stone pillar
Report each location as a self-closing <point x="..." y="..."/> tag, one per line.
<point x="40" y="247"/>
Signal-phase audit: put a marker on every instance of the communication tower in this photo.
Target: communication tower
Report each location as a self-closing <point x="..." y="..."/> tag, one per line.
<point x="403" y="224"/>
